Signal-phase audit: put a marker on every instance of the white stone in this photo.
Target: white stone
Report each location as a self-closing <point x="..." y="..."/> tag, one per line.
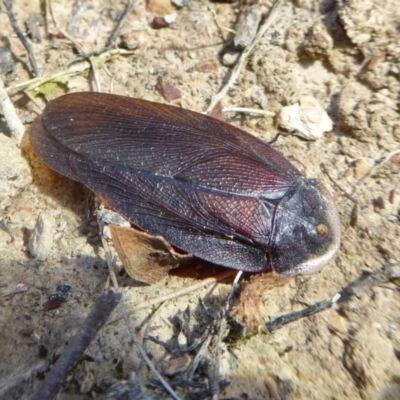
<point x="306" y="118"/>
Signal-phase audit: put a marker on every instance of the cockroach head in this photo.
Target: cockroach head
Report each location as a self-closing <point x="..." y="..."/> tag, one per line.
<point x="305" y="231"/>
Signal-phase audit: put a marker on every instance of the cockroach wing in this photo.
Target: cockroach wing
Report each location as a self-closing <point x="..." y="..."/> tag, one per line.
<point x="168" y="141"/>
<point x="52" y="152"/>
<point x="197" y="220"/>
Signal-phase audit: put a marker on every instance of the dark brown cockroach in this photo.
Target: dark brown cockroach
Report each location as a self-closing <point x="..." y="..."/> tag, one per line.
<point x="208" y="188"/>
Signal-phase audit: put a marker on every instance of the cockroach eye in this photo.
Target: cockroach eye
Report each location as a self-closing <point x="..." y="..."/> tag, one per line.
<point x="322" y="230"/>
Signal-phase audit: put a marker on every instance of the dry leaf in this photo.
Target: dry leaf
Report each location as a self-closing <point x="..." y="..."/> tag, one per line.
<point x="145" y="258"/>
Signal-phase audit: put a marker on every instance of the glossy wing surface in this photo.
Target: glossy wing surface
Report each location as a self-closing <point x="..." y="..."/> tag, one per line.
<point x="226" y="229"/>
<point x="168" y="141"/>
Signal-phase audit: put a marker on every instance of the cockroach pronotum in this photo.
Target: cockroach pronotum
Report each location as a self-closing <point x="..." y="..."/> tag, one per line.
<point x="209" y="188"/>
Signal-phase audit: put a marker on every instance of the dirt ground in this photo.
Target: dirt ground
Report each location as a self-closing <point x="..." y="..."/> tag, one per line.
<point x="344" y="53"/>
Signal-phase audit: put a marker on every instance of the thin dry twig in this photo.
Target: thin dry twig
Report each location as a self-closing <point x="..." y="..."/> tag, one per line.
<point x="199" y="356"/>
<point x="316" y="308"/>
<point x="356" y="288"/>
<point x="183" y="292"/>
<point x="21" y="36"/>
<point x="117" y="31"/>
<point x="143" y="354"/>
<point x="354" y="212"/>
<point x="19" y="289"/>
<point x="76" y="68"/>
<point x="276" y="8"/>
<point x="80" y="47"/>
<point x="349" y="196"/>
<point x="15" y="125"/>
<point x="110" y="262"/>
<point x="219" y="26"/>
<point x="114" y="35"/>
<point x="78" y="344"/>
<point x="264" y="113"/>
<point x="215" y="384"/>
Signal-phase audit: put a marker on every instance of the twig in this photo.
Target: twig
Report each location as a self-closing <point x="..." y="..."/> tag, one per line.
<point x="150" y="321"/>
<point x="75" y="69"/>
<point x="219" y="26"/>
<point x="135" y="340"/>
<point x="143" y="354"/>
<point x="22" y="38"/>
<point x="80" y="47"/>
<point x="356" y="288"/>
<point x="19" y="289"/>
<point x="115" y="34"/>
<point x="215" y="384"/>
<point x="117" y="31"/>
<point x="74" y="352"/>
<point x="199" y="356"/>
<point x="264" y="113"/>
<point x="276" y="137"/>
<point x="196" y="343"/>
<point x="349" y="196"/>
<point x="15" y="125"/>
<point x="110" y="262"/>
<point x="183" y="292"/>
<point x="278" y="323"/>
<point x="354" y="211"/>
<point x="246" y="52"/>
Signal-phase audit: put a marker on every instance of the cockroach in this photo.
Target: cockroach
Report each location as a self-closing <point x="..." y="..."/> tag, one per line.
<point x="209" y="188"/>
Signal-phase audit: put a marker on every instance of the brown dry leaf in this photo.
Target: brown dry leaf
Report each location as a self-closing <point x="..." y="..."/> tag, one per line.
<point x="145" y="258"/>
<point x="175" y="366"/>
<point x="247" y="310"/>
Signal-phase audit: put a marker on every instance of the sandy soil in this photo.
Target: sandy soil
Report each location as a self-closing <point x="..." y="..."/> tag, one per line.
<point x="344" y="53"/>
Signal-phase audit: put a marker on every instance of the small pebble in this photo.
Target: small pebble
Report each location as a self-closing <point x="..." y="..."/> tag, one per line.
<point x="41" y="238"/>
<point x="306" y="118"/>
<point x="230" y="58"/>
<point x="168" y="91"/>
